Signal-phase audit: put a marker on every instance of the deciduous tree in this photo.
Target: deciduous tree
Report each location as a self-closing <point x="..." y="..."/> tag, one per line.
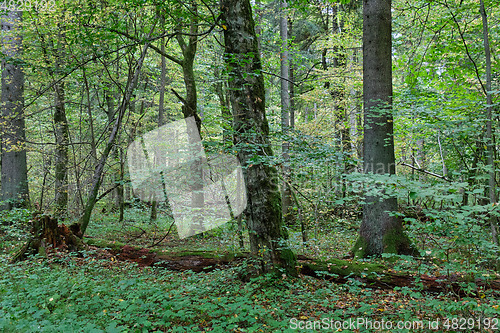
<point x="263" y="213"/>
<point x="13" y="151"/>
<point x="381" y="231"/>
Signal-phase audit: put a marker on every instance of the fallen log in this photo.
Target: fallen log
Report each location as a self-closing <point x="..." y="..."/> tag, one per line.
<point x="379" y="276"/>
<point x="372" y="275"/>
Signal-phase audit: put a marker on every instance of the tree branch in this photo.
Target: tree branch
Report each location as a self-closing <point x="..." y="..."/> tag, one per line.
<point x="425" y="171"/>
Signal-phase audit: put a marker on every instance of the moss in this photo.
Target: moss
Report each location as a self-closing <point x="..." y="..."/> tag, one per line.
<point x="289" y="261"/>
<point x="203" y="254"/>
<point x="345" y="268"/>
<point x="392" y="240"/>
<point x="103" y="243"/>
<point x="359" y="248"/>
<point x="397" y="242"/>
<point x="179" y="252"/>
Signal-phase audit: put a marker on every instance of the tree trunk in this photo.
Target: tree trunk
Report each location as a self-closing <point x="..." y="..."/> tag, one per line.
<point x="489" y="124"/>
<point x="14" y="174"/>
<point x="97" y="178"/>
<point x="291" y="110"/>
<point x="120" y="189"/>
<point x="285" y="113"/>
<point x="61" y="132"/>
<point x="380" y="231"/>
<point x="225" y="109"/>
<point x="263" y="212"/>
<point x="189" y="109"/>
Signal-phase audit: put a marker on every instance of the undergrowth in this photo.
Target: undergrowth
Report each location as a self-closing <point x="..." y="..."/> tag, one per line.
<point x="88" y="295"/>
<point x="70" y="293"/>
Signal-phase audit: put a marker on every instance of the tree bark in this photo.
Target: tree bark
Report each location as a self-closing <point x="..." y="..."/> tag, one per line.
<point x="189" y="109"/>
<point x="489" y="124"/>
<point x="380" y="231"/>
<point x="263" y="213"/>
<point x="61" y="162"/>
<point x="61" y="132"/>
<point x="285" y="113"/>
<point x="14" y="174"/>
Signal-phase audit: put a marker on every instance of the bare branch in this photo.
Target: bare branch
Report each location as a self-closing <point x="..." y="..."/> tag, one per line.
<point x="425" y="171"/>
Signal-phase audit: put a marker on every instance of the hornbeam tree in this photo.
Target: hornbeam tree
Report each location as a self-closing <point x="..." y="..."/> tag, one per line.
<point x="263" y="213"/>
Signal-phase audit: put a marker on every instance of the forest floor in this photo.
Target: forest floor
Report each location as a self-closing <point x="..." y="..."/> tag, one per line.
<point x="136" y="278"/>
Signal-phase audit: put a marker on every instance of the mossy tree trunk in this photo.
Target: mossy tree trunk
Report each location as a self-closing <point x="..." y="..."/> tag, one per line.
<point x="380" y="231"/>
<point x="263" y="213"/>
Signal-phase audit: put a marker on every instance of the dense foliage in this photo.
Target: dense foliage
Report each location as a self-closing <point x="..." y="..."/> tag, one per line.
<point x="83" y="55"/>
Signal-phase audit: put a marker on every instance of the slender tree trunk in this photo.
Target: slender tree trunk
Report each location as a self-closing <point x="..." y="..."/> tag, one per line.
<point x="263" y="213"/>
<point x="489" y="124"/>
<point x="285" y="113"/>
<point x="61" y="131"/>
<point x="338" y="96"/>
<point x="225" y="109"/>
<point x="61" y="161"/>
<point x="380" y="231"/>
<point x="189" y="109"/>
<point x="291" y="79"/>
<point x="163" y="82"/>
<point x="14" y="174"/>
<point x="97" y="178"/>
<point x="113" y="176"/>
<point x="161" y="114"/>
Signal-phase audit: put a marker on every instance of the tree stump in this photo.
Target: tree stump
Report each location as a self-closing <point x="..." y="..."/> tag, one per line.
<point x="47" y="234"/>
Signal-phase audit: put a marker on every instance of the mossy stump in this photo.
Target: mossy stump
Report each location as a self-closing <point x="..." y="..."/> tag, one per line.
<point x="47" y="234"/>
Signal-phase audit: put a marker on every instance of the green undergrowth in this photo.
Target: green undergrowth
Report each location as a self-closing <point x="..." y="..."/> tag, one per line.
<point x="88" y="295"/>
<point x="70" y="293"/>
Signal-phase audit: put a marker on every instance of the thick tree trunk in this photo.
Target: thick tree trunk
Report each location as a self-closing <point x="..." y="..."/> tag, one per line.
<point x="14" y="189"/>
<point x="380" y="231"/>
<point x="263" y="212"/>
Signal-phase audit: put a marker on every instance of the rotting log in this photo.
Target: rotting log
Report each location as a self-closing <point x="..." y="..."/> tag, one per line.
<point x="372" y="275"/>
<point x="379" y="276"/>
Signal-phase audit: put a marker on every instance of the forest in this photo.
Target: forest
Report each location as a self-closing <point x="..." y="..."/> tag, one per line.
<point x="249" y="166"/>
